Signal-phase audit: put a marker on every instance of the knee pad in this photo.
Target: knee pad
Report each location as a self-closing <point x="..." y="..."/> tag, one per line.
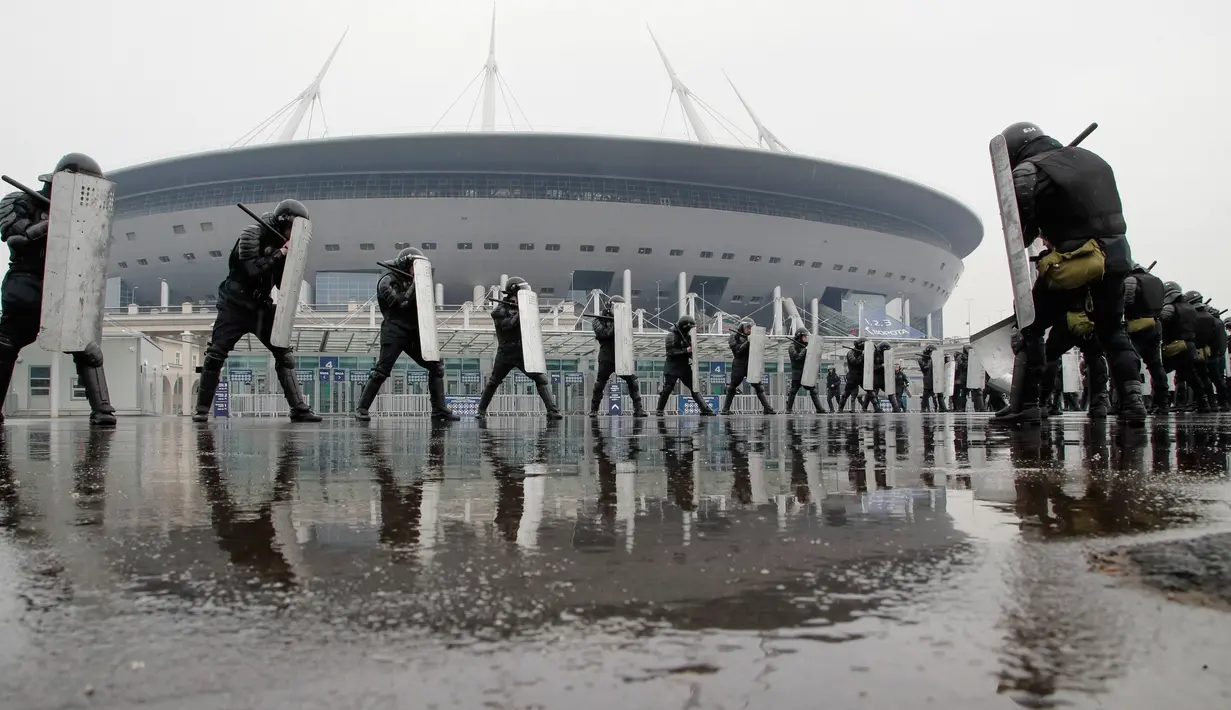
<point x="92" y="356"/>
<point x="436" y="369"/>
<point x="284" y="361"/>
<point x="382" y="374"/>
<point x="214" y="360"/>
<point x="540" y="379"/>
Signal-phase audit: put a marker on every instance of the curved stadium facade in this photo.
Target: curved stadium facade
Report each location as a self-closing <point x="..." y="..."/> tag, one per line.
<point x="567" y="212"/>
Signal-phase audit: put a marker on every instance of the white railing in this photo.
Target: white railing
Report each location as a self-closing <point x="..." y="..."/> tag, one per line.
<point x="261" y="405"/>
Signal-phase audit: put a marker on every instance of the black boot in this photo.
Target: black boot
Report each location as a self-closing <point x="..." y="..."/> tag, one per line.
<point x="702" y="407"/>
<point x="205" y="395"/>
<point x="436" y="391"/>
<point x="596" y="398"/>
<point x="634" y="393"/>
<point x="842" y="402"/>
<point x="544" y="390"/>
<point x="663" y="396"/>
<point x="370" y="390"/>
<point x="894" y="403"/>
<point x="1024" y="393"/>
<point x="1159" y="401"/>
<point x="486" y="399"/>
<point x="766" y="409"/>
<point x="94" y="381"/>
<point x="300" y="411"/>
<point x="726" y="403"/>
<point x="1100" y="404"/>
<point x="790" y="401"/>
<point x="978" y="398"/>
<point x="940" y="403"/>
<point x="816" y="402"/>
<point x="6" y="378"/>
<point x="1132" y="409"/>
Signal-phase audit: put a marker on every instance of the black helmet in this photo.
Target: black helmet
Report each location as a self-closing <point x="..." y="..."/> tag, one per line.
<point x="1138" y="269"/>
<point x="882" y="345"/>
<point x="285" y="214"/>
<point x="929" y="348"/>
<point x="745" y="323"/>
<point x="686" y="323"/>
<point x="966" y="348"/>
<point x="859" y="343"/>
<point x="1018" y="136"/>
<point x="75" y="163"/>
<point x="801" y="335"/>
<point x="1227" y="322"/>
<point x="614" y="299"/>
<point x="515" y="284"/>
<point x="406" y="257"/>
<point x="1193" y="297"/>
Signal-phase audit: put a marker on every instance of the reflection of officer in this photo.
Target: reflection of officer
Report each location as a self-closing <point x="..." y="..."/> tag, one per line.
<point x="678" y="367"/>
<point x="509" y="356"/>
<point x="23" y="227"/>
<point x="740" y="345"/>
<point x="245" y="305"/>
<point x="799" y="356"/>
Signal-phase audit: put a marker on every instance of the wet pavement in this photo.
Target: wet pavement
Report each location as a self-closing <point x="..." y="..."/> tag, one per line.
<point x="785" y="562"/>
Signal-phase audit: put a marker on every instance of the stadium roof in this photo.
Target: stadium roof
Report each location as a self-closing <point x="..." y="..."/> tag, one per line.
<point x="592" y="156"/>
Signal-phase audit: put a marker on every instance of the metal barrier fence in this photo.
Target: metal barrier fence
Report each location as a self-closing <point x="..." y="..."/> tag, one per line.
<point x="261" y="405"/>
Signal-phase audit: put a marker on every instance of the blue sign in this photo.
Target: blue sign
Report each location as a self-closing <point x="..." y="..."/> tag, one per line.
<point x="471" y="377"/>
<point x="244" y="376"/>
<point x="359" y="376"/>
<point x="555" y="378"/>
<point x="327" y="362"/>
<point x="222" y="399"/>
<point x="339" y="375"/>
<point x="574" y="378"/>
<point x="613" y="398"/>
<point x="718" y="368"/>
<point x="323" y="375"/>
<point x="303" y="376"/>
<point x="687" y="406"/>
<point x="463" y="406"/>
<point x="877" y="324"/>
<point x="416" y="377"/>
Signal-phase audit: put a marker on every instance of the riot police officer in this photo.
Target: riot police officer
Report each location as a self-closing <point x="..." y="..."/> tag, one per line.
<point x="925" y="367"/>
<point x="854" y="374"/>
<point x="1068" y="197"/>
<point x="399" y="333"/>
<point x="879" y="380"/>
<point x="1143" y="303"/>
<point x="507" y="319"/>
<point x="799" y="356"/>
<point x="833" y="386"/>
<point x="245" y="305"/>
<point x="740" y="344"/>
<point x="1179" y="329"/>
<point x="1208" y="342"/>
<point x="960" y="361"/>
<point x="23" y="227"/>
<point x="901" y="387"/>
<point x="678" y="367"/>
<point x="604" y="333"/>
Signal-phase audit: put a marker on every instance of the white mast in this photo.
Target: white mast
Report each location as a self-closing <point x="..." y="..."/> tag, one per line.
<point x="491" y="76"/>
<point x="764" y="134"/>
<point x="677" y="87"/>
<point x="308" y="96"/>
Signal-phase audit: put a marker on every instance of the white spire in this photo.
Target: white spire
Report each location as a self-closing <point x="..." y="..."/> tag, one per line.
<point x="491" y="76"/>
<point x="677" y="86"/>
<point x="764" y="134"/>
<point x="308" y="96"/>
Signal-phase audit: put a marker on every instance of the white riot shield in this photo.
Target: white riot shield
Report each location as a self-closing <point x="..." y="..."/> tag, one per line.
<point x="1070" y="369"/>
<point x="692" y="362"/>
<point x="950" y="377"/>
<point x="938" y="371"/>
<point x="1020" y="270"/>
<point x="1146" y="379"/>
<point x="888" y="365"/>
<point x="425" y="301"/>
<point x="994" y="347"/>
<point x="974" y="371"/>
<point x="756" y="355"/>
<point x="531" y="333"/>
<point x="812" y="362"/>
<point x="869" y="363"/>
<point x="292" y="280"/>
<point x="624" y="362"/>
<point x="75" y="273"/>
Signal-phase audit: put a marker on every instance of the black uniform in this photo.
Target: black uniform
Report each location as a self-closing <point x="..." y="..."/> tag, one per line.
<point x="604" y="333"/>
<point x="509" y="357"/>
<point x="740" y="345"/>
<point x="678" y="368"/>
<point x="799" y="355"/>
<point x="1210" y="347"/>
<point x="1068" y="196"/>
<point x="1060" y="340"/>
<point x="1179" y="330"/>
<point x="1143" y="303"/>
<point x="925" y="367"/>
<point x="23" y="226"/>
<point x="245" y="306"/>
<point x="960" y="362"/>
<point x="900" y="388"/>
<point x="854" y="376"/>
<point x="399" y="333"/>
<point x="879" y="380"/>
<point x="833" y="384"/>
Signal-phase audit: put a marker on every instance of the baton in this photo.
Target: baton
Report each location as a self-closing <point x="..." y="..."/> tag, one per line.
<point x="262" y="222"/>
<point x="34" y="194"/>
<point x="1083" y="135"/>
<point x="594" y="315"/>
<point x="1151" y="266"/>
<point x="396" y="270"/>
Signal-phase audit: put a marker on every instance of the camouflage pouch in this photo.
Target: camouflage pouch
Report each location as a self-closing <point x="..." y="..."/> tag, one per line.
<point x="1074" y="269"/>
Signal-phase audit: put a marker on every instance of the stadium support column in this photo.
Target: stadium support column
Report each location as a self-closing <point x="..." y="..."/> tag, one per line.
<point x="504" y="279"/>
<point x="164" y="294"/>
<point x="627" y="291"/>
<point x="906" y="311"/>
<point x="777" y="310"/>
<point x="816" y="316"/>
<point x="929" y="325"/>
<point x="372" y="314"/>
<point x="187" y="396"/>
<point x="683" y="283"/>
<point x="440" y="295"/>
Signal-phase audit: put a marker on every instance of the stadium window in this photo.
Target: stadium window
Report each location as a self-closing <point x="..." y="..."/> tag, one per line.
<point x="737" y="298"/>
<point x="587" y="247"/>
<point x="142" y="262"/>
<point x="676" y="252"/>
<point x="903" y="277"/>
<point x="189" y="256"/>
<point x="852" y="270"/>
<point x="707" y="255"/>
<point x="755" y="299"/>
<point x="942" y="265"/>
<point x="552" y="247"/>
<point x="526" y="246"/>
<point x="912" y="279"/>
<point x="426" y="246"/>
<point x="547" y="290"/>
<point x="838" y="267"/>
<point x="888" y="274"/>
<point x="78" y="390"/>
<point x="40" y="381"/>
<point x="801" y="262"/>
<point x="178" y="229"/>
<point x="333" y="247"/>
<point x="636" y="292"/>
<point x="464" y="246"/>
<point x="754" y="257"/>
<point x="209" y="227"/>
<point x="728" y="255"/>
<point x="817" y="264"/>
<point x="644" y="251"/>
<point x="491" y="246"/>
<point x="130" y="236"/>
<point x="612" y="250"/>
<point x="215" y="254"/>
<point x="775" y="260"/>
<point x="401" y="245"/>
<point x="871" y="272"/>
<point x="367" y="246"/>
<point x="123" y="264"/>
<point x="165" y="259"/>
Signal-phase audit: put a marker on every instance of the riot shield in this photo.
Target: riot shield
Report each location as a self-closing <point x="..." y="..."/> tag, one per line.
<point x="425" y="302"/>
<point x="1020" y="271"/>
<point x="292" y="280"/>
<point x="75" y="273"/>
<point x="812" y="362"/>
<point x="887" y="359"/>
<point x="1146" y="379"/>
<point x="1070" y="368"/>
<point x="692" y="362"/>
<point x="938" y="371"/>
<point x="756" y="355"/>
<point x="531" y="332"/>
<point x="869" y="364"/>
<point x="622" y="313"/>
<point x="994" y="348"/>
<point x="950" y="378"/>
<point x="974" y="372"/>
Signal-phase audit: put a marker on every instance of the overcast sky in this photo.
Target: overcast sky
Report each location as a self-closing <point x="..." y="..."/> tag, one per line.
<point x="910" y="87"/>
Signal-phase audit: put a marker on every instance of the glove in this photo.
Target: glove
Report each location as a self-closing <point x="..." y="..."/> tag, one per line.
<point x="36" y="231"/>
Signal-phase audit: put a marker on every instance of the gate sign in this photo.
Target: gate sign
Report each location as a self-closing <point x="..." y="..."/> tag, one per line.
<point x="416" y="376"/>
<point x="555" y="378"/>
<point x="574" y="378"/>
<point x="323" y="375"/>
<point x="222" y="399"/>
<point x="339" y="375"/>
<point x="359" y="377"/>
<point x="303" y="376"/>
<point x="613" y="397"/>
<point x="687" y="406"/>
<point x="329" y="361"/>
<point x="244" y="376"/>
<point x="878" y="324"/>
<point x="718" y="368"/>
<point x="463" y="406"/>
